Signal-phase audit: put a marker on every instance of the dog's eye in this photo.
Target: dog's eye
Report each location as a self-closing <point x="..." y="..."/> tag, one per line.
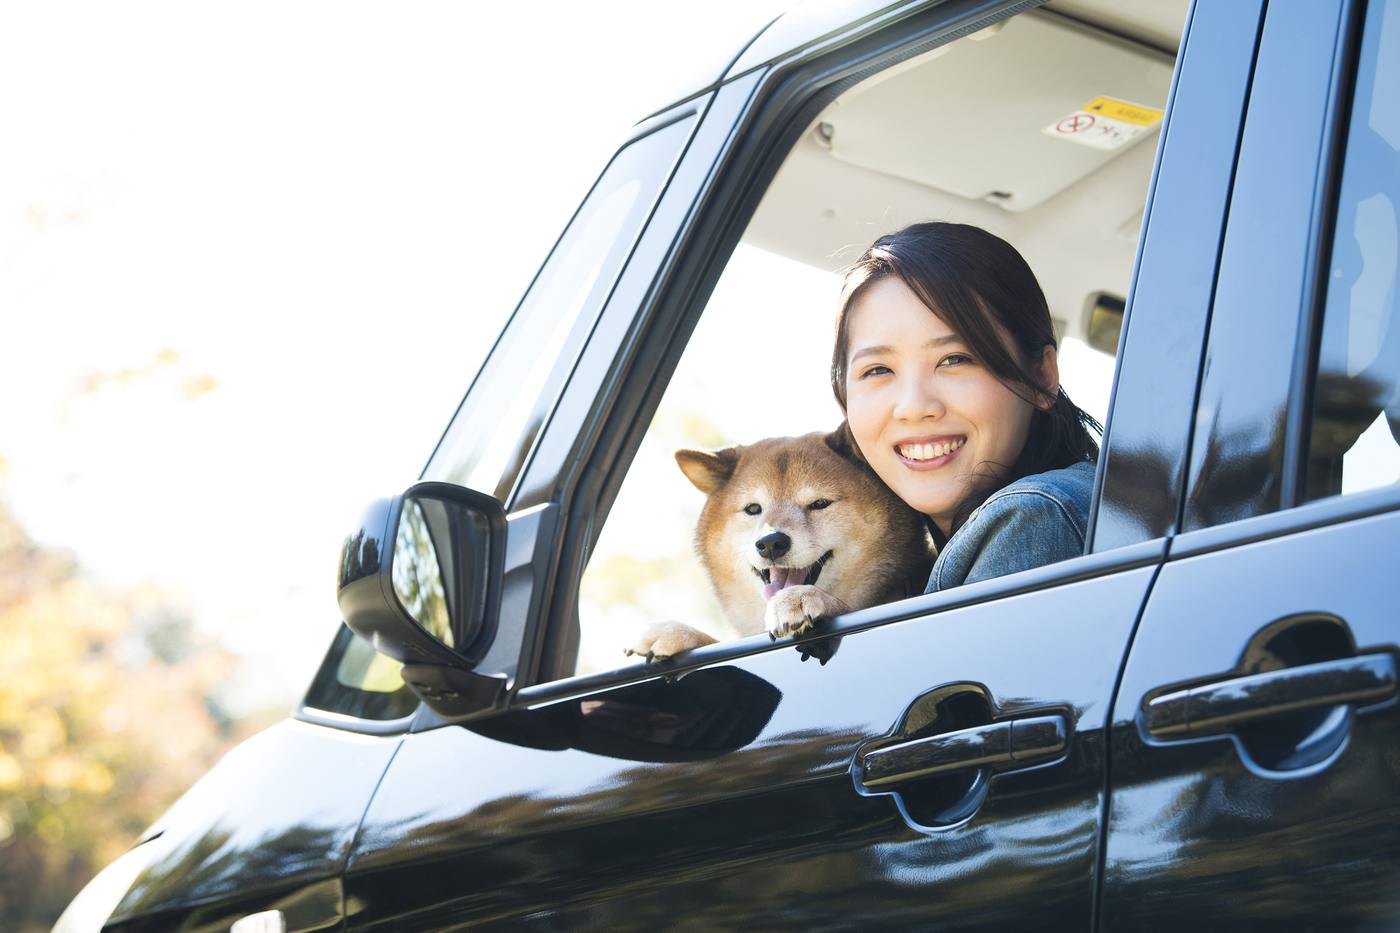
<point x="753" y="508"/>
<point x="820" y="504"/>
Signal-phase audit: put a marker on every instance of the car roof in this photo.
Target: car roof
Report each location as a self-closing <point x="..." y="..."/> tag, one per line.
<point x="1157" y="23"/>
<point x="761" y="39"/>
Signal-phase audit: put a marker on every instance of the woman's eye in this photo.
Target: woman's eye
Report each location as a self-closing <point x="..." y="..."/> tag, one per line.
<point x="955" y="359"/>
<point x="875" y="371"/>
<point x="820" y="504"/>
<point x="753" y="508"/>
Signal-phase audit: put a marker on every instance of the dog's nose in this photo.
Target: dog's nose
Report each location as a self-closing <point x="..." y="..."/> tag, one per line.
<point x="773" y="546"/>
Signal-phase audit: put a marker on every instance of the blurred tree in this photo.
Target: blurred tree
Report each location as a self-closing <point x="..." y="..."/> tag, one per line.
<point x="108" y="710"/>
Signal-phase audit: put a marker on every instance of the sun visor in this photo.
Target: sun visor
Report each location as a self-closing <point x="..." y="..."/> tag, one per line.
<point x="1011" y="115"/>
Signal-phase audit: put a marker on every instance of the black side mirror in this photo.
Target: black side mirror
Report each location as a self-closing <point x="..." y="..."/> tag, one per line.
<point x="420" y="579"/>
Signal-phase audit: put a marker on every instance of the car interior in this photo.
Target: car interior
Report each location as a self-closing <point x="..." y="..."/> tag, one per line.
<point x="971" y="132"/>
<point x="959" y="134"/>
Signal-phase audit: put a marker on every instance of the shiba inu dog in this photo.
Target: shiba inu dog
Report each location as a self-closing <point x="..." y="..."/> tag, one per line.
<point x="795" y="529"/>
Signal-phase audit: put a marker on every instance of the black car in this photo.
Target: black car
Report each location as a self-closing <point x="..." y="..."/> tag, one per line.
<point x="1192" y="724"/>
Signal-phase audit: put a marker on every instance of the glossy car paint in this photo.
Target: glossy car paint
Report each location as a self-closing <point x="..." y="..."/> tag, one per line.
<point x="1200" y="828"/>
<point x="269" y="826"/>
<point x="1276" y="219"/>
<point x="1143" y="458"/>
<point x="773" y="834"/>
<point x="609" y="803"/>
<point x="1291" y="821"/>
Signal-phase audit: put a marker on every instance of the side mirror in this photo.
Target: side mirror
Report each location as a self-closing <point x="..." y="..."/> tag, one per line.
<point x="420" y="579"/>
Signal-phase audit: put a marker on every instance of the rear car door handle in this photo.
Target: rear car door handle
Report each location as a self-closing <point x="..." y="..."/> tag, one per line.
<point x="1217" y="707"/>
<point x="1018" y="741"/>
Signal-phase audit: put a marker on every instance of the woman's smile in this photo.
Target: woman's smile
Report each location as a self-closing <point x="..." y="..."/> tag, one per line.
<point x="928" y="453"/>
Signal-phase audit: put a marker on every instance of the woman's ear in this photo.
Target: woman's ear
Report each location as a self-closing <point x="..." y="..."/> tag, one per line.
<point x="708" y="471"/>
<point x="1049" y="373"/>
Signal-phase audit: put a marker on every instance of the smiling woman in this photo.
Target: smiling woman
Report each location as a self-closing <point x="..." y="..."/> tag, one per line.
<point x="945" y="363"/>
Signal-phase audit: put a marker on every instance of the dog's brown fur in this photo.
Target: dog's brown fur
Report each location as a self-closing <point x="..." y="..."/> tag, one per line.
<point x="879" y="547"/>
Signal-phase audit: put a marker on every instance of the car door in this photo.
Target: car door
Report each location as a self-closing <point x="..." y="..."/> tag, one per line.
<point x="941" y="762"/>
<point x="1254" y="758"/>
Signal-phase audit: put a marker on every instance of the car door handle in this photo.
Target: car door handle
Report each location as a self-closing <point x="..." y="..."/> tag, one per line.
<point x="1020" y="741"/>
<point x="1218" y="707"/>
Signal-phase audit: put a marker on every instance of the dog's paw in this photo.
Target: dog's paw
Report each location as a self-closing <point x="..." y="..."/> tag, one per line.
<point x="792" y="610"/>
<point x="664" y="640"/>
<point x="823" y="649"/>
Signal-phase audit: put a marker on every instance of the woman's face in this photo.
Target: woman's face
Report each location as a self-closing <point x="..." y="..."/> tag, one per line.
<point x="929" y="417"/>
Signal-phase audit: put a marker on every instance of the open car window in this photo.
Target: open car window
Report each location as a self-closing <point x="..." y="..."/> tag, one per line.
<point x="990" y="130"/>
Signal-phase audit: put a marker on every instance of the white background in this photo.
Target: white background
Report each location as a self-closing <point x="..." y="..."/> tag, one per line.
<point x="251" y="255"/>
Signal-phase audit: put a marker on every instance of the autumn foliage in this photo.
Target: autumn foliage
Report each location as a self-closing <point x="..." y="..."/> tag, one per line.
<point x="108" y="711"/>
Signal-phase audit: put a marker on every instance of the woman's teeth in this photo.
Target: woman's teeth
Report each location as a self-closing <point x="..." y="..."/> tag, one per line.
<point x="929" y="451"/>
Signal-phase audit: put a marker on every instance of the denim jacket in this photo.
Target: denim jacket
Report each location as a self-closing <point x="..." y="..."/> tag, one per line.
<point x="1034" y="521"/>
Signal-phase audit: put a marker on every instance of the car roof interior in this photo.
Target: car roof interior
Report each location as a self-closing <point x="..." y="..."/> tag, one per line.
<point x="960" y="133"/>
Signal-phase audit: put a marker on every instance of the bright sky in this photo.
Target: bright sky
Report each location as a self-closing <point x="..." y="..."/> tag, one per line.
<point x="251" y="254"/>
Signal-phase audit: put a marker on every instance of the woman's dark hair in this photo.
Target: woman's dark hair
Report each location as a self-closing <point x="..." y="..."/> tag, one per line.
<point x="981" y="287"/>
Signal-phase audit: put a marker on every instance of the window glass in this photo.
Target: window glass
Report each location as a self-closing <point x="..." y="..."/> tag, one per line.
<point x="490" y="437"/>
<point x="1356" y="392"/>
<point x="355" y="680"/>
<point x="487" y="443"/>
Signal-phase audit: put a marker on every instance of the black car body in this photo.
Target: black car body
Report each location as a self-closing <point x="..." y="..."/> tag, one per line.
<point x="1193" y="723"/>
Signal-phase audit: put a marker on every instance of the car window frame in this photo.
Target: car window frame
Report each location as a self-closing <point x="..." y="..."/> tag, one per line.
<point x="1278" y="206"/>
<point x="527" y="523"/>
<point x="1294" y="514"/>
<point x="1166" y="317"/>
<point x="587" y="316"/>
<point x="787" y="97"/>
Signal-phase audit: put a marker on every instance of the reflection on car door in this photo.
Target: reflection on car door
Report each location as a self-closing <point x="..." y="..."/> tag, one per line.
<point x="1254" y="767"/>
<point x="1288" y="821"/>
<point x="268" y="829"/>
<point x="945" y="770"/>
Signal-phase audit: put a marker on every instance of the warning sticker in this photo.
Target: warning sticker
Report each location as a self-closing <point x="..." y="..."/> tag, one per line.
<point x="1105" y="123"/>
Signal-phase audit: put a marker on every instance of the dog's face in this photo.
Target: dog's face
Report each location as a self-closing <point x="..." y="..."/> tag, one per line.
<point x="800" y="510"/>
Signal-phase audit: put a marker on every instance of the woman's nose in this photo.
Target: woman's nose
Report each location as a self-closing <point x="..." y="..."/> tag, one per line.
<point x="916" y="402"/>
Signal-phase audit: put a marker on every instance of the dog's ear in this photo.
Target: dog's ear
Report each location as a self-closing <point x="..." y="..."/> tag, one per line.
<point x="708" y="471"/>
<point x="844" y="443"/>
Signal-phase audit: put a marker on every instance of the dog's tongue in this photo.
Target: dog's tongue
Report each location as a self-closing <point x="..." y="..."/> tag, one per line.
<point x="782" y="577"/>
